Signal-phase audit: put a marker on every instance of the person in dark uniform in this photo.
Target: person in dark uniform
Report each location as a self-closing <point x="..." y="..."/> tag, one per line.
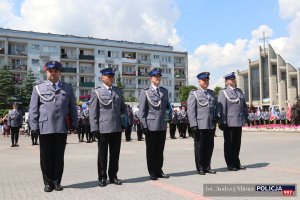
<point x="81" y="126"/>
<point x="202" y="105"/>
<point x="183" y="121"/>
<point x="232" y="112"/>
<point x="266" y="117"/>
<point x="15" y="122"/>
<point x="128" y="128"/>
<point x="137" y="122"/>
<point x="86" y="122"/>
<point x="153" y="104"/>
<point x="34" y="137"/>
<point x="106" y="107"/>
<point x="173" y="124"/>
<point x="52" y="114"/>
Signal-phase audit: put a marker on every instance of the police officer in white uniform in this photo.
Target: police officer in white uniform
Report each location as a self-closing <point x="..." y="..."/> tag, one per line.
<point x="106" y="106"/>
<point x="153" y="103"/>
<point x="232" y="112"/>
<point x="52" y="113"/>
<point x="202" y="105"/>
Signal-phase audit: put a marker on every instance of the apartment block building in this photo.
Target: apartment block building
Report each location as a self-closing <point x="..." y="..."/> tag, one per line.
<point x="83" y="58"/>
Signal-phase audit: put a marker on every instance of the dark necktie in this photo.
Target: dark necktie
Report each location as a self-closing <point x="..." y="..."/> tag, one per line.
<point x="54" y="86"/>
<point x="157" y="90"/>
<point x="110" y="90"/>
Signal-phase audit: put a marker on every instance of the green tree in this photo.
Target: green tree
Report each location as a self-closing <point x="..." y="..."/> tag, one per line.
<point x="184" y="92"/>
<point x="130" y="99"/>
<point x="7" y="88"/>
<point x="119" y="83"/>
<point x="27" y="89"/>
<point x="217" y="90"/>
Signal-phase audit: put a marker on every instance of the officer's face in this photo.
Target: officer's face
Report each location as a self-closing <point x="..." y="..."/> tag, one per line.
<point x="204" y="83"/>
<point x="155" y="79"/>
<point x="108" y="80"/>
<point x="53" y="75"/>
<point x="231" y="82"/>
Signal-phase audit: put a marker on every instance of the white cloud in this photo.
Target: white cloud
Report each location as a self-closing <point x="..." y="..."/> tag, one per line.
<point x="138" y="21"/>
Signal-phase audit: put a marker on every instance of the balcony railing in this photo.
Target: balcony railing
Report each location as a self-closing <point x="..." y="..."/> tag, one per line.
<point x="19" y="67"/>
<point x="129" y="60"/>
<point x="66" y="56"/>
<point x="68" y="70"/>
<point x="86" y="57"/>
<point x="148" y="61"/>
<point x="86" y="84"/>
<point x="129" y="73"/>
<point x="145" y="74"/>
<point x="181" y="76"/>
<point x="87" y="71"/>
<point x="19" y="53"/>
<point x="179" y="64"/>
<point x="131" y="86"/>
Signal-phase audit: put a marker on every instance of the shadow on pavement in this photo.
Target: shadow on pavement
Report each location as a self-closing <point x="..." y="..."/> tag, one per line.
<point x="89" y="184"/>
<point x="256" y="165"/>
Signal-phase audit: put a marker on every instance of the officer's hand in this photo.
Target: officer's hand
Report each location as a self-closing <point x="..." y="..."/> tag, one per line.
<point x="222" y="126"/>
<point x="35" y="132"/>
<point x="96" y="133"/>
<point x="145" y="131"/>
<point x="194" y="130"/>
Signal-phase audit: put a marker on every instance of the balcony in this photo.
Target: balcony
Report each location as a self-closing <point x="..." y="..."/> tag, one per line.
<point x="129" y="86"/>
<point x="177" y="87"/>
<point x="68" y="70"/>
<point x="18" y="68"/>
<point x="17" y="53"/>
<point x="179" y="64"/>
<point x="87" y="84"/>
<point x="129" y="73"/>
<point x="86" y="57"/>
<point x="144" y="74"/>
<point x="180" y="76"/>
<point x="145" y="62"/>
<point x="87" y="71"/>
<point x="129" y="60"/>
<point x="66" y="56"/>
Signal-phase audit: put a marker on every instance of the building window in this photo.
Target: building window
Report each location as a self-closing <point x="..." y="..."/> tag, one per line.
<point x="274" y="70"/>
<point x="246" y="88"/>
<point x="255" y="83"/>
<point x="35" y="61"/>
<point x="294" y="82"/>
<point x="50" y="49"/>
<point x="265" y="78"/>
<point x="101" y="52"/>
<point x="283" y="76"/>
<point x="156" y="56"/>
<point x="35" y="46"/>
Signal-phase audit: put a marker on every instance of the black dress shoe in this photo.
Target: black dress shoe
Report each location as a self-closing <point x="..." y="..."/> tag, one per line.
<point x="48" y="188"/>
<point x="242" y="167"/>
<point x="58" y="187"/>
<point x="232" y="168"/>
<point x="16" y="145"/>
<point x="201" y="172"/>
<point x="153" y="178"/>
<point x="210" y="171"/>
<point x="116" y="181"/>
<point x="163" y="175"/>
<point x="102" y="183"/>
<point x="12" y="145"/>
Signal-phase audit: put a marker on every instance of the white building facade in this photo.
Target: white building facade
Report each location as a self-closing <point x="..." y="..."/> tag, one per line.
<point x="82" y="59"/>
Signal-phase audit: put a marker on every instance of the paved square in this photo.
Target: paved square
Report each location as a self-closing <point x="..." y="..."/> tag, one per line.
<point x="270" y="157"/>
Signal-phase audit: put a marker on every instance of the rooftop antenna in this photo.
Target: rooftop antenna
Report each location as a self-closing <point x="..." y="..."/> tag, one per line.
<point x="264" y="39"/>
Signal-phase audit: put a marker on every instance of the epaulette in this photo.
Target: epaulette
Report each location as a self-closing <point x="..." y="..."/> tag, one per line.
<point x="97" y="87"/>
<point x="39" y="82"/>
<point x="224" y="88"/>
<point x="146" y="88"/>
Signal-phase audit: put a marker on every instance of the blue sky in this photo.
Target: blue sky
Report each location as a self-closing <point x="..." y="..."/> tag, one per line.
<point x="220" y="36"/>
<point x="206" y="21"/>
